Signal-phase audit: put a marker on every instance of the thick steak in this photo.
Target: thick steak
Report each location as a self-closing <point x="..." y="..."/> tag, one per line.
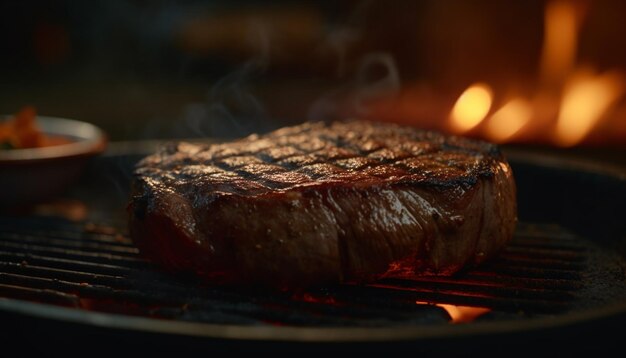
<point x="324" y="203"/>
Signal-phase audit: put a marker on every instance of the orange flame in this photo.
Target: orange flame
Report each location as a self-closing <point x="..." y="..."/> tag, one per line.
<point x="509" y="120"/>
<point x="585" y="96"/>
<point x="560" y="41"/>
<point x="472" y="107"/>
<point x="459" y="314"/>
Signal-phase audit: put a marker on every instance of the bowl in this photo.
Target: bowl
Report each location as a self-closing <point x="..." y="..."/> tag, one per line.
<point x="33" y="175"/>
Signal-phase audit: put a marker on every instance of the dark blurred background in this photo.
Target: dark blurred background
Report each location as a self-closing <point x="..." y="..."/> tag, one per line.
<point x="188" y="68"/>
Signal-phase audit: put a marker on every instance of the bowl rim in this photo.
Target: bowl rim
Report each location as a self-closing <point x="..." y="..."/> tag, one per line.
<point x="87" y="140"/>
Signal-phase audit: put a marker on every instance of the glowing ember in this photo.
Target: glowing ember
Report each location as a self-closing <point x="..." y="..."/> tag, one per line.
<point x="471" y="107"/>
<point x="508" y="120"/>
<point x="460" y="314"/>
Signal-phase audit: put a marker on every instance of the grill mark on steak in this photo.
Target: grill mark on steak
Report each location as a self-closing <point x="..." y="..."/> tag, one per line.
<point x="319" y="203"/>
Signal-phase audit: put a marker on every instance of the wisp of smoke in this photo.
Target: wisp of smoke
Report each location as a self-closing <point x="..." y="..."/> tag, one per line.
<point x="231" y="109"/>
<point x="354" y="96"/>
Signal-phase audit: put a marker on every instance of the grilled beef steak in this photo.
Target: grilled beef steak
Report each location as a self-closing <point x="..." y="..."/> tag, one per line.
<point x="324" y="203"/>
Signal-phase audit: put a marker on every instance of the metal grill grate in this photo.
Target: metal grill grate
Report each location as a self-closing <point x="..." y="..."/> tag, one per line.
<point x="58" y="262"/>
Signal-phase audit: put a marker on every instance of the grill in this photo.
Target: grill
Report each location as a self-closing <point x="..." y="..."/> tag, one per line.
<point x="62" y="263"/>
<point x="555" y="277"/>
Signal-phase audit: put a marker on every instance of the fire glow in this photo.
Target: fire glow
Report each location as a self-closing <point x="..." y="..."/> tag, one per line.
<point x="472" y="107"/>
<point x="459" y="314"/>
<point x="567" y="104"/>
<point x="572" y="98"/>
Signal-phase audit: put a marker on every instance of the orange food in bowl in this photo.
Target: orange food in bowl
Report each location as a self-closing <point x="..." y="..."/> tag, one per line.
<point x="21" y="131"/>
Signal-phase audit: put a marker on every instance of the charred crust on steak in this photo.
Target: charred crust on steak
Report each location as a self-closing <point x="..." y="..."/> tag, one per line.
<point x="324" y="202"/>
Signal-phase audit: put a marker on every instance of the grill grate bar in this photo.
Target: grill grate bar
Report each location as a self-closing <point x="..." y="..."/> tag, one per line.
<point x="271" y="309"/>
<point x="86" y="290"/>
<point x="413" y="295"/>
<point x="497" y="288"/>
<point x="99" y="269"/>
<point x="529" y="272"/>
<point x="522" y="258"/>
<point x="54" y="262"/>
<point x="141" y="302"/>
<point x="487" y="282"/>
<point x="550" y="232"/>
<point x="546" y="244"/>
<point x="491" y="290"/>
<point x="97" y="257"/>
<point x="34" y="294"/>
<point x="95" y="247"/>
<point x="480" y="278"/>
<point x="68" y="275"/>
<point x="505" y="299"/>
<point x="500" y="287"/>
<point x="353" y="315"/>
<point x="76" y="235"/>
<point x="554" y="254"/>
<point x="525" y="261"/>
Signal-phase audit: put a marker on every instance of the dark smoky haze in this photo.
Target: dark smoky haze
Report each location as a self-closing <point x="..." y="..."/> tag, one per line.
<point x="179" y="69"/>
<point x="225" y="69"/>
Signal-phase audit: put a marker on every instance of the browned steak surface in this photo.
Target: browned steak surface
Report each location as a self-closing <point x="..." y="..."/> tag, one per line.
<point x="324" y="203"/>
